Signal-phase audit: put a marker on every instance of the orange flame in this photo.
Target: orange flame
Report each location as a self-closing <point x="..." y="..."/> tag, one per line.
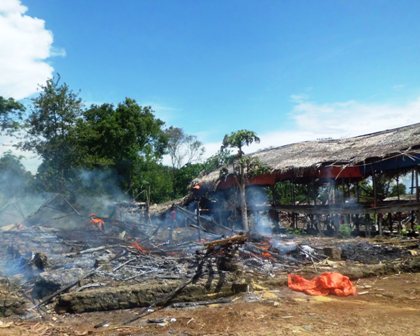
<point x="98" y="222"/>
<point x="138" y="247"/>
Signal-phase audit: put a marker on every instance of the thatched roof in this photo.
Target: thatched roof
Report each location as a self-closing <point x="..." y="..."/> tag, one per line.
<point x="347" y="151"/>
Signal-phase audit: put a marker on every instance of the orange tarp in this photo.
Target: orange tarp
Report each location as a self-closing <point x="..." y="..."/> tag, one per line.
<point x="324" y="284"/>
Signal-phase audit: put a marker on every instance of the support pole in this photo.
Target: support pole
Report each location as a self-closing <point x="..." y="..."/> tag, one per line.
<point x="379" y="218"/>
<point x="412" y="183"/>
<point x="374" y="182"/>
<point x="357" y="192"/>
<point x="294" y="220"/>
<point x="198" y="220"/>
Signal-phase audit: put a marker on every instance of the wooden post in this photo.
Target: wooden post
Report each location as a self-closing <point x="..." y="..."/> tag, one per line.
<point x="198" y="220"/>
<point x="412" y="183"/>
<point x="367" y="225"/>
<point x="374" y="183"/>
<point x="417" y="187"/>
<point x="390" y="226"/>
<point x="357" y="224"/>
<point x="379" y="218"/>
<point x="399" y="222"/>
<point x="294" y="221"/>
<point x="357" y="192"/>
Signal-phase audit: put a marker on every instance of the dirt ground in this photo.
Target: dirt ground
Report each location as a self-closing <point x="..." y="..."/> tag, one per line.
<point x="387" y="305"/>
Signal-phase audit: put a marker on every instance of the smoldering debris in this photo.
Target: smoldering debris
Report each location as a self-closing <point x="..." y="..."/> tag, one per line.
<point x="144" y="259"/>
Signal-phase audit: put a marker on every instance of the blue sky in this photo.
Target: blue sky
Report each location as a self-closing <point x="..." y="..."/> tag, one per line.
<point x="289" y="70"/>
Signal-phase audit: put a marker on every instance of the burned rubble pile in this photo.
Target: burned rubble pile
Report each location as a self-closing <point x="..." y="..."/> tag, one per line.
<point x="102" y="271"/>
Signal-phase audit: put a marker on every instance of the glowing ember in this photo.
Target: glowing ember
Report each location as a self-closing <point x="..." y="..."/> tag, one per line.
<point x="97" y="222"/>
<point x="138" y="247"/>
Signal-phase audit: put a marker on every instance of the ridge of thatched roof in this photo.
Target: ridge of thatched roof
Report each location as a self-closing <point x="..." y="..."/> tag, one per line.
<point x="346" y="151"/>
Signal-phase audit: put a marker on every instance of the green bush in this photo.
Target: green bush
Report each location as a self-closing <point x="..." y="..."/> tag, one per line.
<point x="345" y="230"/>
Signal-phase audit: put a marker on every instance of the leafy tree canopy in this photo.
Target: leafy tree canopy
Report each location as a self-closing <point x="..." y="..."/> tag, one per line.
<point x="239" y="139"/>
<point x="125" y="138"/>
<point x="14" y="178"/>
<point x="10" y="113"/>
<point x="49" y="127"/>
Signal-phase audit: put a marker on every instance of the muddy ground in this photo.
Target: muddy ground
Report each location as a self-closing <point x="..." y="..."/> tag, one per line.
<point x="386" y="305"/>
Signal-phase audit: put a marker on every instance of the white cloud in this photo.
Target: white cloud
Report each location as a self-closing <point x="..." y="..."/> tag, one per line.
<point x="343" y="119"/>
<point x="312" y="120"/>
<point x="25" y="45"/>
<point x="58" y="52"/>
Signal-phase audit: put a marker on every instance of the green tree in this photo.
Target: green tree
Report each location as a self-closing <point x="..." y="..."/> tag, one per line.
<point x="184" y="176"/>
<point x="49" y="126"/>
<point x="218" y="160"/>
<point x="244" y="165"/>
<point x="385" y="187"/>
<point x="10" y="113"/>
<point x="154" y="183"/>
<point x="286" y="192"/>
<point x="14" y="178"/>
<point x="126" y="138"/>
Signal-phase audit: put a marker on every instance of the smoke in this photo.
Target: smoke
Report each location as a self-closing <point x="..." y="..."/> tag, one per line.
<point x="258" y="205"/>
<point x="98" y="191"/>
<point x="17" y="198"/>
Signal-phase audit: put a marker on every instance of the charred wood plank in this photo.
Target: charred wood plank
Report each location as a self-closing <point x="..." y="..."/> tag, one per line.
<point x="237" y="239"/>
<point x="200" y="303"/>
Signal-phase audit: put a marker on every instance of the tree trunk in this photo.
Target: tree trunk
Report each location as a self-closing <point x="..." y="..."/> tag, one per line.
<point x="244" y="209"/>
<point x="242" y="197"/>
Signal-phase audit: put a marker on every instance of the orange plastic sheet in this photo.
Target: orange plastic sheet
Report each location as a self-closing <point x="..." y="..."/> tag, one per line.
<point x="324" y="284"/>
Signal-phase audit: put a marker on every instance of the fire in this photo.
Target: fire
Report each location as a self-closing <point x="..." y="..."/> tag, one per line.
<point x="264" y="247"/>
<point x="138" y="247"/>
<point x="96" y="221"/>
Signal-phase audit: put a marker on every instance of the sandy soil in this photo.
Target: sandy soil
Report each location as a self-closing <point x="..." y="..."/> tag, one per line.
<point x="385" y="306"/>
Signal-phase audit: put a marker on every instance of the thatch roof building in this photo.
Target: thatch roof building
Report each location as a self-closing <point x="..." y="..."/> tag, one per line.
<point x="388" y="151"/>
